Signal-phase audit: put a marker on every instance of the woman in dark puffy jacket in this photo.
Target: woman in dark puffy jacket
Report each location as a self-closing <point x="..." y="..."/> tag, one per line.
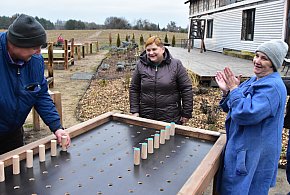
<point x="160" y="87"/>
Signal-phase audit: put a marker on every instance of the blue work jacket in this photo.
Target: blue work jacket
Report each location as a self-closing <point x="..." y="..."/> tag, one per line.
<point x="254" y="136"/>
<point x="21" y="88"/>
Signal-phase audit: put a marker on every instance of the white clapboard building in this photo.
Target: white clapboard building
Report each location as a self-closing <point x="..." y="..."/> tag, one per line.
<point x="237" y="24"/>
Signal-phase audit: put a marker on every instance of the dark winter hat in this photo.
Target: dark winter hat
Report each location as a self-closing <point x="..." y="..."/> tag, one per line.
<point x="276" y="51"/>
<point x="26" y="32"/>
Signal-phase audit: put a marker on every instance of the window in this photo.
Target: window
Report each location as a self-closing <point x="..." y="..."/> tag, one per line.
<point x="209" y="28"/>
<point x="248" y="24"/>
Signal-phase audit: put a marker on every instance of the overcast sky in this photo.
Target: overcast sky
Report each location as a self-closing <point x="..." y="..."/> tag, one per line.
<point x="155" y="11"/>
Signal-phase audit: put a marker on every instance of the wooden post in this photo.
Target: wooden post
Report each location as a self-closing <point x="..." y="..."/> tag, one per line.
<point x="83" y="50"/>
<point x="72" y="51"/>
<point x="79" y="52"/>
<point x="36" y="122"/>
<point x="87" y="48"/>
<point x="50" y="64"/>
<point x="91" y="48"/>
<point x="65" y="55"/>
<point x="202" y="46"/>
<point x="188" y="45"/>
<point x="97" y="46"/>
<point x="56" y="98"/>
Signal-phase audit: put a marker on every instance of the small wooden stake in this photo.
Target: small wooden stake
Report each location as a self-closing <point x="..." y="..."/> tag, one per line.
<point x="41" y="153"/>
<point x="2" y="172"/>
<point x="16" y="165"/>
<point x="29" y="158"/>
<point x="63" y="143"/>
<point x="167" y="132"/>
<point x="53" y="146"/>
<point x="150" y="145"/>
<point x="136" y="156"/>
<point x="144" y="151"/>
<point x="172" y="128"/>
<point x="162" y="136"/>
<point x="156" y="140"/>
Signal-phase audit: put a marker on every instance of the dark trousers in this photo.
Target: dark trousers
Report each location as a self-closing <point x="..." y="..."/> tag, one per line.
<point x="11" y="141"/>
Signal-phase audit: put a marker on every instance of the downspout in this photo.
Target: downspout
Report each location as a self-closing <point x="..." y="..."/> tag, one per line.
<point x="285" y="30"/>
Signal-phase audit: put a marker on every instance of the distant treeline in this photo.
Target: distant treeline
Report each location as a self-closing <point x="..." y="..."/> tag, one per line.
<point x="110" y="23"/>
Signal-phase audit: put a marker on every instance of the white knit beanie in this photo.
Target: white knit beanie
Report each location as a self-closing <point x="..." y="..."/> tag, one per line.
<point x="276" y="50"/>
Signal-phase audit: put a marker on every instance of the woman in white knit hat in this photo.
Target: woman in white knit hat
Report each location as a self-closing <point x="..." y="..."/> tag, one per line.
<point x="254" y="123"/>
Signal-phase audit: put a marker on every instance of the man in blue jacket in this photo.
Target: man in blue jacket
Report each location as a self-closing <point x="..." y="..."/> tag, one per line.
<point x="23" y="84"/>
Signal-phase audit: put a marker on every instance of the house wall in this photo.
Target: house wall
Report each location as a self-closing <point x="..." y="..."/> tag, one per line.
<point x="227" y="24"/>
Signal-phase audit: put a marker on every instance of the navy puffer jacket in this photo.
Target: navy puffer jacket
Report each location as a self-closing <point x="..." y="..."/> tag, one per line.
<point x="161" y="93"/>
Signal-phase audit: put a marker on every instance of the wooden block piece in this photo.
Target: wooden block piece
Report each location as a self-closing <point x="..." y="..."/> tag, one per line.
<point x="63" y="143"/>
<point x="29" y="158"/>
<point x="167" y="132"/>
<point x="2" y="172"/>
<point x="150" y="145"/>
<point x="172" y="128"/>
<point x="144" y="151"/>
<point x="156" y="140"/>
<point x="53" y="147"/>
<point x="162" y="136"/>
<point x="136" y="156"/>
<point x="41" y="153"/>
<point x="16" y="164"/>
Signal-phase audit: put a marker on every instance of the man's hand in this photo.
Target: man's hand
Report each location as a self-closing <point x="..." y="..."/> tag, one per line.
<point x="60" y="132"/>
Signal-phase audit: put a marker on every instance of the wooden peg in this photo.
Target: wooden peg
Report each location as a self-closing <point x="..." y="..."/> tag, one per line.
<point x="136" y="156"/>
<point x="53" y="146"/>
<point x="2" y="172"/>
<point x="16" y="165"/>
<point x="150" y="145"/>
<point x="172" y="128"/>
<point x="63" y="143"/>
<point x="41" y="153"/>
<point x="167" y="132"/>
<point x="144" y="151"/>
<point x="29" y="158"/>
<point x="156" y="140"/>
<point x="162" y="136"/>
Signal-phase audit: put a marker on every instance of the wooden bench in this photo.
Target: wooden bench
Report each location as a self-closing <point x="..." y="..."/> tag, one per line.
<point x="86" y="48"/>
<point x="63" y="56"/>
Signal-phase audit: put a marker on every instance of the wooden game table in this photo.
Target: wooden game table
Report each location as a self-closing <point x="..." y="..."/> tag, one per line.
<point x="100" y="160"/>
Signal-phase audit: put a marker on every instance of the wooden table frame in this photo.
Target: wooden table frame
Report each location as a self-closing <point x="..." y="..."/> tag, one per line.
<point x="196" y="183"/>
